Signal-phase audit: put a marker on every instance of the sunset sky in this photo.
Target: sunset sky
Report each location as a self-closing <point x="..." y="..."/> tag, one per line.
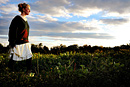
<point x="54" y="22"/>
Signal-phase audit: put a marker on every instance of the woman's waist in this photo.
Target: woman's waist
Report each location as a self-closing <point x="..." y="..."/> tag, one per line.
<point x="21" y="42"/>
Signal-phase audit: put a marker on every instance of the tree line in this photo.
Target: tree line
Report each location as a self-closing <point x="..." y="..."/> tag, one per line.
<point x="63" y="48"/>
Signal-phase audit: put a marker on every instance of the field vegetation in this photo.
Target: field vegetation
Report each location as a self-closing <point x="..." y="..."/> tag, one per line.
<point x="69" y="66"/>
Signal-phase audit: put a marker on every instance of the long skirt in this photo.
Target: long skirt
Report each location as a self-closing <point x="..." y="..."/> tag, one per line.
<point x="21" y="52"/>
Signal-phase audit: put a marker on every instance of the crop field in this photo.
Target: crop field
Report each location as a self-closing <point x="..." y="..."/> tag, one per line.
<point x="99" y="69"/>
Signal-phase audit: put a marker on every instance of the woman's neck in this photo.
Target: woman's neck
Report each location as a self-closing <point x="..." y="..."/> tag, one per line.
<point x="23" y="15"/>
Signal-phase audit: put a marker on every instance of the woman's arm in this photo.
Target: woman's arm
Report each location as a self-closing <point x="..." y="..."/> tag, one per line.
<point x="13" y="32"/>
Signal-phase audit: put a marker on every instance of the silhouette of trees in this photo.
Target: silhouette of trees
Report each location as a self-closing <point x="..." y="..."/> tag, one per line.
<point x="34" y="48"/>
<point x="63" y="48"/>
<point x="46" y="50"/>
<point x="1" y="47"/>
<point x="39" y="48"/>
<point x="73" y="47"/>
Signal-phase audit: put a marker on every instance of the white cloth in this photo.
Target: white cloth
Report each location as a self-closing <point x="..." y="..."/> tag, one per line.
<point x="21" y="52"/>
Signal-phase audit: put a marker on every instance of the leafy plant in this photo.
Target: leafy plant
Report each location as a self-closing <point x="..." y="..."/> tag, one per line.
<point x="101" y="68"/>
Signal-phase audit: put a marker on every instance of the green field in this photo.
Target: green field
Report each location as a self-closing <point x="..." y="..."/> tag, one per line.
<point x="99" y="69"/>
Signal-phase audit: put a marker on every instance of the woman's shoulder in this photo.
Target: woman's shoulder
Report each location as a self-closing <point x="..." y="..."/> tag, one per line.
<point x="16" y="17"/>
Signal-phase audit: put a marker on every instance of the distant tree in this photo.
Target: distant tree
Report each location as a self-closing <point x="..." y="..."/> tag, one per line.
<point x="40" y="45"/>
<point x="63" y="48"/>
<point x="73" y="47"/>
<point x="116" y="48"/>
<point x="55" y="50"/>
<point x="46" y="49"/>
<point x="34" y="48"/>
<point x="1" y="46"/>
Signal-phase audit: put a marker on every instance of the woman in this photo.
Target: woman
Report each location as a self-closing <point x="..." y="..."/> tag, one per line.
<point x="18" y="38"/>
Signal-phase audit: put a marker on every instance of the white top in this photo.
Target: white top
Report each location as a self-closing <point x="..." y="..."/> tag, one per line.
<point x="21" y="52"/>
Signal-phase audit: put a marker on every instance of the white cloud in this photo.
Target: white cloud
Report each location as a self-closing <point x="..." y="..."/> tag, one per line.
<point x="83" y="8"/>
<point x="120" y="6"/>
<point x="3" y="1"/>
<point x="51" y="7"/>
<point x="8" y="8"/>
<point x="46" y="18"/>
<point x="74" y="27"/>
<point x="83" y="11"/>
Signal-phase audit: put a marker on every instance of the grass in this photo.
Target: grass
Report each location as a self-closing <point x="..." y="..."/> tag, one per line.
<point x="103" y="69"/>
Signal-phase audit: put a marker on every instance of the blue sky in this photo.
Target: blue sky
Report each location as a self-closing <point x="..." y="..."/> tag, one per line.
<point x="54" y="22"/>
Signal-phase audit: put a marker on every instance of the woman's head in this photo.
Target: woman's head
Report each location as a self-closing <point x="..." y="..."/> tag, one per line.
<point x="24" y="8"/>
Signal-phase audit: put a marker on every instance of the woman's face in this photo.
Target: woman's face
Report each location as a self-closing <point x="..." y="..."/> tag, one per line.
<point x="27" y="10"/>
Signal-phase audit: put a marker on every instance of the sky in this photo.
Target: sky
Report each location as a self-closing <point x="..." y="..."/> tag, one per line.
<point x="53" y="22"/>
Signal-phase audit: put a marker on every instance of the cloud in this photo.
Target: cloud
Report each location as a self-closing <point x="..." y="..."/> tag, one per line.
<point x="63" y="8"/>
<point x="114" y="21"/>
<point x="4" y="23"/>
<point x="57" y="26"/>
<point x="106" y="5"/>
<point x="73" y="35"/>
<point x="8" y="8"/>
<point x="82" y="35"/>
<point x="3" y="1"/>
<point x="3" y="37"/>
<point x="3" y="32"/>
<point x="66" y="8"/>
<point x="51" y="7"/>
<point x="45" y="18"/>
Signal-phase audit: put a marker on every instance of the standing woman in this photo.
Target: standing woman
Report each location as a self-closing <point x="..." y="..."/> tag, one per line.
<point x="18" y="38"/>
